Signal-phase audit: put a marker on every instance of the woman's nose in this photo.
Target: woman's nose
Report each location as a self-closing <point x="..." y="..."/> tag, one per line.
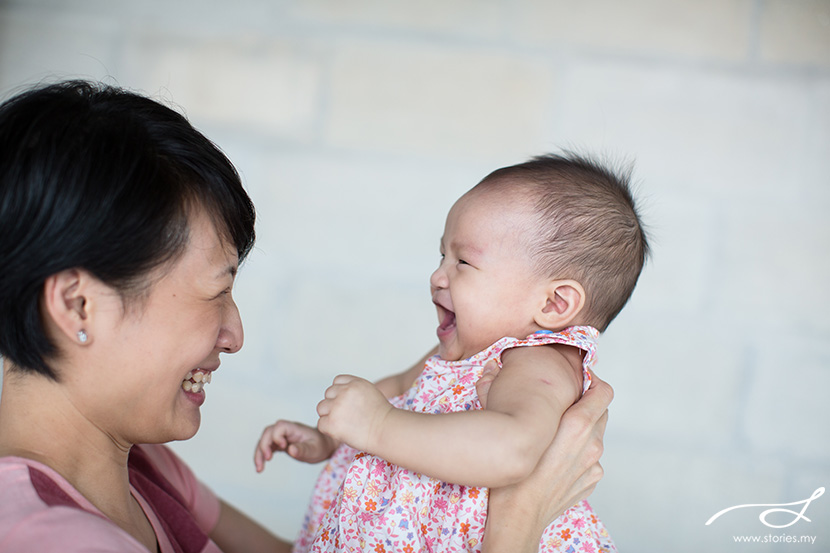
<point x="231" y="334"/>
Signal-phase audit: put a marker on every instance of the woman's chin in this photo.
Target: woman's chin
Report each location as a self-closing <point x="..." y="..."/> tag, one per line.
<point x="180" y="435"/>
<point x="186" y="424"/>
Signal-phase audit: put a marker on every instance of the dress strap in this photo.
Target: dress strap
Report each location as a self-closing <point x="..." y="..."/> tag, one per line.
<point x="580" y="337"/>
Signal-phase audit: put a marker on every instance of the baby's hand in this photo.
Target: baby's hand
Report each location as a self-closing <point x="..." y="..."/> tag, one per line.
<point x="301" y="442"/>
<point x="353" y="412"/>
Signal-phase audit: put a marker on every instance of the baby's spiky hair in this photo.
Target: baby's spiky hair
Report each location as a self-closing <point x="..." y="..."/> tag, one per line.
<point x="589" y="229"/>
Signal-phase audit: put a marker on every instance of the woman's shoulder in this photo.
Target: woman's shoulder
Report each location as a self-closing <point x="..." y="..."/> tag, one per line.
<point x="28" y="486"/>
<point x="40" y="511"/>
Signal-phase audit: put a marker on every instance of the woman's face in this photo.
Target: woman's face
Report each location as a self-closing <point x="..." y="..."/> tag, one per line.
<point x="149" y="353"/>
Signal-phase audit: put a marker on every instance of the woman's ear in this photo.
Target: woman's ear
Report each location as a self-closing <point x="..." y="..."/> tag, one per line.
<point x="563" y="302"/>
<point x="65" y="304"/>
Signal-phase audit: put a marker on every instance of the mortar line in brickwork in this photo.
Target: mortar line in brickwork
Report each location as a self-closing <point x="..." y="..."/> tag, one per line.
<point x="754" y="50"/>
<point x="746" y="369"/>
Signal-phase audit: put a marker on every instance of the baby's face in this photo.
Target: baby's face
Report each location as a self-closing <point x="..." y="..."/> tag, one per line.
<point x="485" y="288"/>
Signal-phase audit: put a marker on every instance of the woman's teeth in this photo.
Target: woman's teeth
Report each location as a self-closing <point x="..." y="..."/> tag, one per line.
<point x="195" y="381"/>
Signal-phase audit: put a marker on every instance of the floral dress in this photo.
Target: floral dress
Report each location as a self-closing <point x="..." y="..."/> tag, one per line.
<point x="362" y="503"/>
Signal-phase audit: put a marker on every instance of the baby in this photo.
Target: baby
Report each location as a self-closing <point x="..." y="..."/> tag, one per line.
<point x="546" y="252"/>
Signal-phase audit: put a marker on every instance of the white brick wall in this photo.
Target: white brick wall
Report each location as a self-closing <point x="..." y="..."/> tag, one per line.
<point x="356" y="124"/>
<point x="710" y="29"/>
<point x="796" y="33"/>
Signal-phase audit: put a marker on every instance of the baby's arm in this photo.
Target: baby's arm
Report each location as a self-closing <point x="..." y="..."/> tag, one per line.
<point x="311" y="446"/>
<point x="494" y="447"/>
<point x="298" y="440"/>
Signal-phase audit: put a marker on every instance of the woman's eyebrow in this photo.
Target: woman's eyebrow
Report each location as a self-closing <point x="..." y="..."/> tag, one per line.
<point x="229" y="270"/>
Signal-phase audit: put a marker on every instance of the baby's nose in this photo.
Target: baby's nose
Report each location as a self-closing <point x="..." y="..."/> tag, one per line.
<point x="438" y="279"/>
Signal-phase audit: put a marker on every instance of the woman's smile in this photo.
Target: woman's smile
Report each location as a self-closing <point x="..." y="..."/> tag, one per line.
<point x="194" y="384"/>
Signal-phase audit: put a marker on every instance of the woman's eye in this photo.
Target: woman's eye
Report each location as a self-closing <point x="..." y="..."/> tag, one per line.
<point x="462" y="262"/>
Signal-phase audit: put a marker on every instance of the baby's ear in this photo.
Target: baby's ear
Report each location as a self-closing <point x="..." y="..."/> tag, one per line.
<point x="563" y="302"/>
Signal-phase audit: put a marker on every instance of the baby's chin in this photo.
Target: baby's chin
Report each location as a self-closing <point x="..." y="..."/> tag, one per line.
<point x="456" y="353"/>
<point x="449" y="353"/>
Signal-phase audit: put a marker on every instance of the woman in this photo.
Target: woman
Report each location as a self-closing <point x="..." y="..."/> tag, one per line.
<point x="121" y="231"/>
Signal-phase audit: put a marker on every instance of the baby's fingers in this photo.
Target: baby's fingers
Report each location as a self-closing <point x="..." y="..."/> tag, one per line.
<point x="259" y="460"/>
<point x="273" y="439"/>
<point x="324" y="408"/>
<point x="262" y="453"/>
<point x="340" y="382"/>
<point x="341" y="379"/>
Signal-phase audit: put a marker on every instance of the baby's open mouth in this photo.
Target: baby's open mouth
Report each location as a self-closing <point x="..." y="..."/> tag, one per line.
<point x="447" y="321"/>
<point x="196" y="380"/>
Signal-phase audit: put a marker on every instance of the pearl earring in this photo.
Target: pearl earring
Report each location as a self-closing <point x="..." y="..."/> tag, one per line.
<point x="82" y="337"/>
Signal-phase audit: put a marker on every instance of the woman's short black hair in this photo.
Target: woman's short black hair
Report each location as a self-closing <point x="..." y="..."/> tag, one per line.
<point x="100" y="178"/>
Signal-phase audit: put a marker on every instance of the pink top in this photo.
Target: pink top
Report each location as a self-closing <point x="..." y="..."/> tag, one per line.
<point x="41" y="511"/>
